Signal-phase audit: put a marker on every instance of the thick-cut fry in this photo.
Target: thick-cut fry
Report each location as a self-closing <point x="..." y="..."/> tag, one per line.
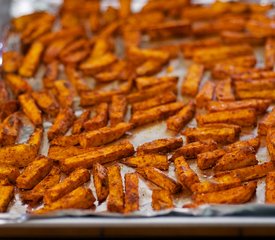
<point x="66" y="141"/>
<point x="267" y="122"/>
<point x="149" y="68"/>
<point x="31" y="60"/>
<point x="164" y="145"/>
<point x="64" y="93"/>
<point x="148" y="160"/>
<point x="102" y="155"/>
<point x="99" y="120"/>
<point x="178" y="121"/>
<point x="241" y="117"/>
<point x="205" y="95"/>
<point x="259" y="105"/>
<point x="261" y="94"/>
<point x="156" y="113"/>
<point x="252" y="142"/>
<point x="269" y="53"/>
<point x="192" y="80"/>
<point x="255" y="85"/>
<point x="34" y="196"/>
<point x="17" y="84"/>
<point x="76" y="79"/>
<point x="208" y="159"/>
<point x="236" y="128"/>
<point x="117" y="110"/>
<point x="73" y="181"/>
<point x="11" y="61"/>
<point x="101" y="182"/>
<point x="270" y="188"/>
<point x="103" y="135"/>
<point x="234" y="37"/>
<point x="9" y="172"/>
<point x="30" y="109"/>
<point x="185" y="174"/>
<point x="131" y="192"/>
<point x="146" y="82"/>
<point x="161" y="199"/>
<point x="236" y="195"/>
<point x="7" y="108"/>
<point x="62" y="123"/>
<point x="270" y="143"/>
<point x="6" y="195"/>
<point x="34" y="173"/>
<point x="160" y="179"/>
<point x="80" y="198"/>
<point x="51" y="74"/>
<point x="115" y="201"/>
<point x="192" y="150"/>
<point x="224" y="91"/>
<point x="253" y="75"/>
<point x="222" y="135"/>
<point x="125" y="8"/>
<point x="78" y="125"/>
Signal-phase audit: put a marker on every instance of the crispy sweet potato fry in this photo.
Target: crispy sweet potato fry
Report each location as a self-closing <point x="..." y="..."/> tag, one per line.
<point x="117" y="110"/>
<point x="66" y="141"/>
<point x="236" y="195"/>
<point x="73" y="181"/>
<point x="164" y="145"/>
<point x="270" y="143"/>
<point x="51" y="74"/>
<point x="260" y="94"/>
<point x="145" y="82"/>
<point x="102" y="155"/>
<point x="236" y="128"/>
<point x="207" y="160"/>
<point x="64" y="93"/>
<point x="6" y="195"/>
<point x="269" y="53"/>
<point x="205" y="95"/>
<point x="9" y="172"/>
<point x="261" y="84"/>
<point x="185" y="174"/>
<point x="267" y="122"/>
<point x="115" y="201"/>
<point x="31" y="60"/>
<point x="252" y="142"/>
<point x="242" y="117"/>
<point x="269" y="189"/>
<point x="99" y="120"/>
<point x="125" y="8"/>
<point x="192" y="150"/>
<point x="76" y="79"/>
<point x="191" y="83"/>
<point x="17" y="84"/>
<point x="232" y="37"/>
<point x="161" y="199"/>
<point x="11" y="61"/>
<point x="131" y="192"/>
<point x="101" y="182"/>
<point x="160" y="179"/>
<point x="224" y="91"/>
<point x="253" y="75"/>
<point x="149" y="68"/>
<point x="7" y="108"/>
<point x="148" y="160"/>
<point x="178" y="121"/>
<point x="30" y="109"/>
<point x="78" y="125"/>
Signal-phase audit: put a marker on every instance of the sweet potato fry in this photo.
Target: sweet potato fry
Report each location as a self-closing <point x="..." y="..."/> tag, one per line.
<point x="102" y="155"/>
<point x="252" y="142"/>
<point x="115" y="201"/>
<point x="270" y="143"/>
<point x="163" y="146"/>
<point x="34" y="173"/>
<point x="234" y="37"/>
<point x="186" y="176"/>
<point x="31" y="60"/>
<point x="17" y="84"/>
<point x="64" y="93"/>
<point x="149" y="68"/>
<point x="161" y="199"/>
<point x="131" y="192"/>
<point x="70" y="183"/>
<point x="9" y="172"/>
<point x="260" y="94"/>
<point x="6" y="195"/>
<point x="269" y="189"/>
<point x="80" y="198"/>
<point x="269" y="53"/>
<point x="146" y="82"/>
<point x="11" y="61"/>
<point x="117" y="110"/>
<point x="148" y="160"/>
<point x="78" y="125"/>
<point x="7" y="108"/>
<point x="259" y="105"/>
<point x="178" y="121"/>
<point x="242" y="117"/>
<point x="30" y="109"/>
<point x="224" y="91"/>
<point x="66" y="141"/>
<point x="261" y="84"/>
<point x="222" y="135"/>
<point x="99" y="120"/>
<point x="51" y="74"/>
<point x="267" y="122"/>
<point x="125" y="8"/>
<point x="156" y="113"/>
<point x="253" y="75"/>
<point x="236" y="195"/>
<point x="236" y="128"/>
<point x="160" y="179"/>
<point x="192" y="150"/>
<point x="191" y="83"/>
<point x="62" y="123"/>
<point x="207" y="160"/>
<point x="76" y="79"/>
<point x="205" y="95"/>
<point x="101" y="182"/>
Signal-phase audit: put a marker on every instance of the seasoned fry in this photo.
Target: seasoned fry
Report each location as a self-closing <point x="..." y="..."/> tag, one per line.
<point x="222" y="135"/>
<point x="269" y="53"/>
<point x="160" y="179"/>
<point x="34" y="173"/>
<point x="269" y="189"/>
<point x="178" y="121"/>
<point x="62" y="123"/>
<point x="31" y="60"/>
<point x="11" y="61"/>
<point x="205" y="95"/>
<point x="115" y="201"/>
<point x="6" y="195"/>
<point x="9" y="172"/>
<point x="261" y="94"/>
<point x="17" y="84"/>
<point x="78" y="125"/>
<point x="156" y="113"/>
<point x="161" y="199"/>
<point x="192" y="150"/>
<point x="164" y="145"/>
<point x="73" y="181"/>
<point x="64" y="93"/>
<point x="270" y="143"/>
<point x="76" y="79"/>
<point x="149" y="68"/>
<point x="99" y="120"/>
<point x="8" y="108"/>
<point x="252" y="142"/>
<point x="207" y="160"/>
<point x="117" y="109"/>
<point x="66" y="141"/>
<point x="131" y="192"/>
<point x="185" y="174"/>
<point x="192" y="80"/>
<point x="267" y="122"/>
<point x="253" y="75"/>
<point x="148" y="160"/>
<point x="101" y="182"/>
<point x="146" y="82"/>
<point x="30" y="109"/>
<point x="234" y="37"/>
<point x="261" y="84"/>
<point x="259" y="105"/>
<point x="102" y="155"/>
<point x="241" y="117"/>
<point x="236" y="195"/>
<point x="51" y="74"/>
<point x="224" y="91"/>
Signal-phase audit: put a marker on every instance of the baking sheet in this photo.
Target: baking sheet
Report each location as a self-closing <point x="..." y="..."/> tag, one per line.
<point x="139" y="136"/>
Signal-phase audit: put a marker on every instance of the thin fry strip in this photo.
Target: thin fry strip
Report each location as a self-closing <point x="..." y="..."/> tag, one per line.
<point x="117" y="109"/>
<point x="146" y="82"/>
<point x="205" y="95"/>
